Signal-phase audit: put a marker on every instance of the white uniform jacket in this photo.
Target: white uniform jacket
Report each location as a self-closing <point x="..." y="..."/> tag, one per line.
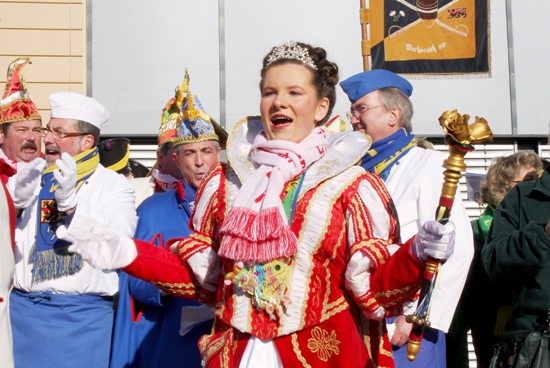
<point x="106" y="198"/>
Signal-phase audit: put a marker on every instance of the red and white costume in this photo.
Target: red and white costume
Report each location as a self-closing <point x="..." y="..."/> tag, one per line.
<point x="346" y="227"/>
<point x="7" y="265"/>
<point x="8" y="167"/>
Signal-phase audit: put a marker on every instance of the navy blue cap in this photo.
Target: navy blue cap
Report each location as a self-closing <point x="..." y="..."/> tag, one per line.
<point x="360" y="84"/>
<point x="114" y="153"/>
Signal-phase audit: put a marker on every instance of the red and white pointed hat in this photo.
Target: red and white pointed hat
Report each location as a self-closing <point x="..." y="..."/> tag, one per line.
<point x="16" y="103"/>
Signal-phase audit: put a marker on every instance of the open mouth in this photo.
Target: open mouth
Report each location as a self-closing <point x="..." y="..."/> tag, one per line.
<point x="51" y="152"/>
<point x="278" y="120"/>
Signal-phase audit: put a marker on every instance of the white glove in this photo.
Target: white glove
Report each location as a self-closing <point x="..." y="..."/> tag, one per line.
<point x="106" y="250"/>
<point x="65" y="194"/>
<point x="434" y="240"/>
<point x="23" y="187"/>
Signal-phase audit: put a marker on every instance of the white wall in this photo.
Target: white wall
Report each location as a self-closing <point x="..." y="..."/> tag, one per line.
<point x="140" y="50"/>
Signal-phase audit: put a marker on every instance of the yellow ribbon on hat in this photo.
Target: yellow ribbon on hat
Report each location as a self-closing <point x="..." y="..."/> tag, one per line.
<point x="122" y="163"/>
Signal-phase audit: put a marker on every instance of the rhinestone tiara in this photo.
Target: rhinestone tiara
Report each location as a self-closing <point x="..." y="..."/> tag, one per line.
<point x="291" y="50"/>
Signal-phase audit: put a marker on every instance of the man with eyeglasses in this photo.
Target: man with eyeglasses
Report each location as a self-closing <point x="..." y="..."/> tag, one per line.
<point x="20" y="123"/>
<point x="381" y="108"/>
<point x="61" y="308"/>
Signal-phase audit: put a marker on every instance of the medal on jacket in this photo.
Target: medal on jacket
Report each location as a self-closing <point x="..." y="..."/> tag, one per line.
<point x="265" y="283"/>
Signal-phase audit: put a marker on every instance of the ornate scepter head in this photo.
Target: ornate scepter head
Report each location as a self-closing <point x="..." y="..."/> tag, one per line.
<point x="456" y="127"/>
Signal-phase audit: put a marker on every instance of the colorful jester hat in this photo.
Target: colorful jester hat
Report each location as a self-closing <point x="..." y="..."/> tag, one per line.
<point x="185" y="121"/>
<point x="16" y="104"/>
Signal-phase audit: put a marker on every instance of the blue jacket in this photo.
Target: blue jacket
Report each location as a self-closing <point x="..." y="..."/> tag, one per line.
<point x="147" y="324"/>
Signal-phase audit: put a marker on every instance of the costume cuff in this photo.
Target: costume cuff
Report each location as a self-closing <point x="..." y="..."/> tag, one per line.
<point x="396" y="281"/>
<point x="193" y="244"/>
<point x="358" y="282"/>
<point x="206" y="267"/>
<point x="163" y="269"/>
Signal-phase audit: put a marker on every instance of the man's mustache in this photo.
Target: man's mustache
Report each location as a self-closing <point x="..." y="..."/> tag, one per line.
<point x="28" y="144"/>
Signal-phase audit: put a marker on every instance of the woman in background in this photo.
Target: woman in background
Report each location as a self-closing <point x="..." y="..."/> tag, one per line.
<point x="484" y="307"/>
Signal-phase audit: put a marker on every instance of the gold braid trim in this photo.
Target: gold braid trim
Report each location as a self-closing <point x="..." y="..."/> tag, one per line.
<point x="194" y="243"/>
<point x="361" y="222"/>
<point x="365" y="325"/>
<point x="334" y="308"/>
<point x="209" y="349"/>
<point x="403" y="290"/>
<point x="176" y="289"/>
<point x="297" y="351"/>
<point x="381" y="349"/>
<point x="382" y="191"/>
<point x="367" y="301"/>
<point x="375" y="249"/>
<point x="220" y="343"/>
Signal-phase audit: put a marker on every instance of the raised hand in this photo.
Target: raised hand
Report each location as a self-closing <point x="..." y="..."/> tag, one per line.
<point x="104" y="249"/>
<point x="26" y="180"/>
<point x="65" y="194"/>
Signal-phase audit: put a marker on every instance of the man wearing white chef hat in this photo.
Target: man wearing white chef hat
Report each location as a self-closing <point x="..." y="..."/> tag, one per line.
<point x="61" y="308"/>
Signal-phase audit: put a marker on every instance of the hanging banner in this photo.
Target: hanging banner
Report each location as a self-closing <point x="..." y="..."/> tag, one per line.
<point x="430" y="36"/>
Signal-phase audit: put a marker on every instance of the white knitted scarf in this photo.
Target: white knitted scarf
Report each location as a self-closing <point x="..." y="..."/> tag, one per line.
<point x="165" y="181"/>
<point x="256" y="227"/>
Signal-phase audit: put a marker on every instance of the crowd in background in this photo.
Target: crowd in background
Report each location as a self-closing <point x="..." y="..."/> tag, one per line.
<point x="306" y="248"/>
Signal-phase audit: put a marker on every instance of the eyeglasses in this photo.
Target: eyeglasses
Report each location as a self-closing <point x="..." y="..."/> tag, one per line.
<point x="56" y="134"/>
<point x="530" y="176"/>
<point x="359" y="111"/>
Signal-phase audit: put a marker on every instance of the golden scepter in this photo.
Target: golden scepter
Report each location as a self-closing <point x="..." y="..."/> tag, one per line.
<point x="460" y="137"/>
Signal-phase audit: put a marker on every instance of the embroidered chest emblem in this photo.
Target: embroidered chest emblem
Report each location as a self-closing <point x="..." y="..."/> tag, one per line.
<point x="327" y="167"/>
<point x="50" y="217"/>
<point x="49" y="212"/>
<point x="245" y="164"/>
<point x="265" y="283"/>
<point x="323" y="343"/>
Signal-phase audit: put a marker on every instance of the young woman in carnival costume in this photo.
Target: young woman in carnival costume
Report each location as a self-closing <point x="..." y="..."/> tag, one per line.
<point x="292" y="240"/>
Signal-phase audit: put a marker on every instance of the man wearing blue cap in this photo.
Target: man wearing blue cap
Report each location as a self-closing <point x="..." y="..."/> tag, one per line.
<point x="381" y="108"/>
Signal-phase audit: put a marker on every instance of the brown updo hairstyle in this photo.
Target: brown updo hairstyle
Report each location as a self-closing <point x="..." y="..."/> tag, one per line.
<point x="325" y="77"/>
